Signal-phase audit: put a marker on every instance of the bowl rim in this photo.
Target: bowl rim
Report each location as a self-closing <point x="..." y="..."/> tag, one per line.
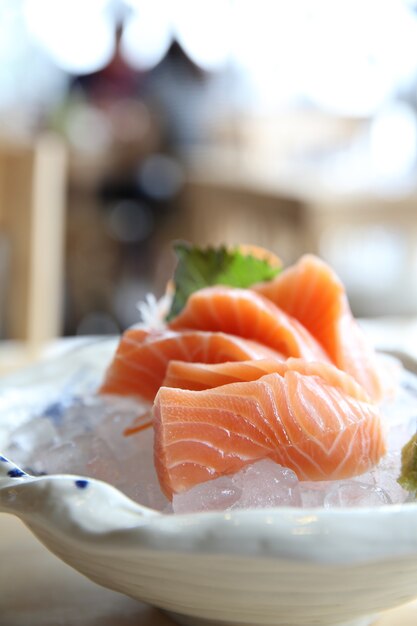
<point x="100" y="516"/>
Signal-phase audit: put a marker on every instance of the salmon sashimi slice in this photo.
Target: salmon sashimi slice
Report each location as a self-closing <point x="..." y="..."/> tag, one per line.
<point x="139" y="365"/>
<point x="200" y="376"/>
<point x="299" y="419"/>
<point x="248" y="314"/>
<point x="311" y="292"/>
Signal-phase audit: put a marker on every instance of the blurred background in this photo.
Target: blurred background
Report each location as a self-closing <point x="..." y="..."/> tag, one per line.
<point x="125" y="124"/>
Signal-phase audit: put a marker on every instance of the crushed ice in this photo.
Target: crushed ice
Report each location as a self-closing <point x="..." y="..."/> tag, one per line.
<point x="82" y="433"/>
<point x="87" y="438"/>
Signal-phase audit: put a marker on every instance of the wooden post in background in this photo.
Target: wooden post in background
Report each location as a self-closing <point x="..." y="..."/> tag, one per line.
<point x="32" y="214"/>
<point x="47" y="242"/>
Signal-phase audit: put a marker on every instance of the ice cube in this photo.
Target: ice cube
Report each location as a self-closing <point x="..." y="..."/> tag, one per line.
<point x="102" y="463"/>
<point x="385" y="475"/>
<point x="214" y="495"/>
<point x="314" y="492"/>
<point x="115" y="421"/>
<point x="369" y="478"/>
<point x="354" y="493"/>
<point x="70" y="457"/>
<point x="138" y="478"/>
<point x="267" y="484"/>
<point x="399" y="434"/>
<point x="402" y="408"/>
<point x="259" y="485"/>
<point x="34" y="435"/>
<point x="86" y="414"/>
<point x="389" y="484"/>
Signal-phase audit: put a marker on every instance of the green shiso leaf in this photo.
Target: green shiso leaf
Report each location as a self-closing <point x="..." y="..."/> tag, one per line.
<point x="198" y="268"/>
<point x="408" y="477"/>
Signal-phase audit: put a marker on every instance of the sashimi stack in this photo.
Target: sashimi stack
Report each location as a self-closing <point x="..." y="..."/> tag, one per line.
<point x="266" y="376"/>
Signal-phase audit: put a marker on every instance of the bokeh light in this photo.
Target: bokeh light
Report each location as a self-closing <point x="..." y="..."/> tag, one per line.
<point x="160" y="177"/>
<point x="147" y="34"/>
<point x="130" y="222"/>
<point x="204" y="30"/>
<point x="65" y="30"/>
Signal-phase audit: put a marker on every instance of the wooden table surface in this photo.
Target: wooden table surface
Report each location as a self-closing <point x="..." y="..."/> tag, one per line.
<point x="37" y="589"/>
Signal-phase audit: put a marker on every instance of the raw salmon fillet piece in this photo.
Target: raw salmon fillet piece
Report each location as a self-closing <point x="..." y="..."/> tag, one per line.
<point x="317" y="422"/>
<point x="139" y="365"/>
<point x="200" y="376"/>
<point x="311" y="292"/>
<point x="247" y="314"/>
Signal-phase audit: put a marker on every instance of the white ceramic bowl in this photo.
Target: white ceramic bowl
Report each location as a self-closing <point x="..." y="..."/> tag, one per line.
<point x="282" y="566"/>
